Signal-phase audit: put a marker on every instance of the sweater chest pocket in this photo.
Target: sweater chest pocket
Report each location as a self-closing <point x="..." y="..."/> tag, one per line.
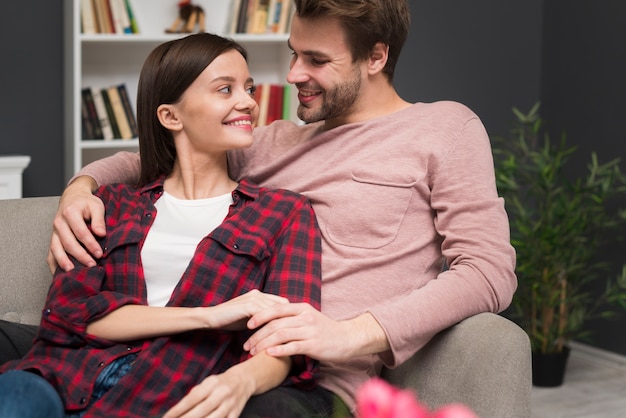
<point x="371" y="210"/>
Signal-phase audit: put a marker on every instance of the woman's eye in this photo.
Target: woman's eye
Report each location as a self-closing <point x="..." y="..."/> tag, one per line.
<point x="226" y="89"/>
<point x="251" y="90"/>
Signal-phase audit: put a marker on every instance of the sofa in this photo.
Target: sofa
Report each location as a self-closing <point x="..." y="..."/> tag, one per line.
<point x="483" y="361"/>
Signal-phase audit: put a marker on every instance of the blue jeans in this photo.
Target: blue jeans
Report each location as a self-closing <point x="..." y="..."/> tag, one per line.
<point x="28" y="395"/>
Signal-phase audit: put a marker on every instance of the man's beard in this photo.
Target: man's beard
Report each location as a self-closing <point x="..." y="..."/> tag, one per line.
<point x="337" y="102"/>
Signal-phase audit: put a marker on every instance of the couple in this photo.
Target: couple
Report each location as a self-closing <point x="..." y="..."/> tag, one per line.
<point x="398" y="189"/>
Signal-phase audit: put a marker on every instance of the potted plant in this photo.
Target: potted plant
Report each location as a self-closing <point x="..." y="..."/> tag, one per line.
<point x="558" y="227"/>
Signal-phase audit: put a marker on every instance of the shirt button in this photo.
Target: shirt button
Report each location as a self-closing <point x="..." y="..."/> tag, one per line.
<point x="101" y="364"/>
<point x="235" y="246"/>
<point x="148" y="215"/>
<point x="129" y="348"/>
<point x="105" y="248"/>
<point x="47" y="312"/>
<point x="83" y="400"/>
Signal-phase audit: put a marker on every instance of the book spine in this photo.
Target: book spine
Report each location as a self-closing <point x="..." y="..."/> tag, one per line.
<point x="86" y="125"/>
<point x="128" y="109"/>
<point x="103" y="117"/>
<point x="93" y="115"/>
<point x="273" y="16"/>
<point x="286" y="102"/>
<point x="124" y="17"/>
<point x="134" y="28"/>
<point x="109" y="16"/>
<point x="234" y="16"/>
<point x="120" y="113"/>
<point x="109" y="108"/>
<point x="275" y="107"/>
<point x="264" y="101"/>
<point x="100" y="16"/>
<point x="88" y="18"/>
<point x="285" y="17"/>
<point x="243" y="16"/>
<point x="116" y="16"/>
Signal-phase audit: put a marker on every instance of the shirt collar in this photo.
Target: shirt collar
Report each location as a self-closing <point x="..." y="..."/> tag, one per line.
<point x="246" y="188"/>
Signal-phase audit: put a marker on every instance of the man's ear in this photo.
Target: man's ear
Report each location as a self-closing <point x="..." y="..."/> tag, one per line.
<point x="378" y="58"/>
<point x="168" y="117"/>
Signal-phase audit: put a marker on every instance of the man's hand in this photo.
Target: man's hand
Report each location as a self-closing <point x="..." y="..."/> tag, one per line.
<point x="298" y="328"/>
<point x="77" y="206"/>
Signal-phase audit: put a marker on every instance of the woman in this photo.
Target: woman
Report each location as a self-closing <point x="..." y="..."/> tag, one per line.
<point x="185" y="255"/>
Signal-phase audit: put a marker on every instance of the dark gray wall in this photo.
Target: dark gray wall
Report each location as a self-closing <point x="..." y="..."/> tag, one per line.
<point x="491" y="55"/>
<point x="583" y="95"/>
<point x="483" y="53"/>
<point x="31" y="82"/>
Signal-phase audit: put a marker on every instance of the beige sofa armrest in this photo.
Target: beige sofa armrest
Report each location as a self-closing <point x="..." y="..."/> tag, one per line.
<point x="25" y="228"/>
<point x="483" y="362"/>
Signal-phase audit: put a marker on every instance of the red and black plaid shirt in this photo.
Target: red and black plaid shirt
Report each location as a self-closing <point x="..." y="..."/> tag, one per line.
<point x="269" y="241"/>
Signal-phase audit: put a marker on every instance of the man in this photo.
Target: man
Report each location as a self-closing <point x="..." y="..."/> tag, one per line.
<point x="399" y="189"/>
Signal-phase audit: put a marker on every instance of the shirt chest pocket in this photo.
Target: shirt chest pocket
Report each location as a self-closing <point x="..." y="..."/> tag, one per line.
<point x="242" y="243"/>
<point x="371" y="210"/>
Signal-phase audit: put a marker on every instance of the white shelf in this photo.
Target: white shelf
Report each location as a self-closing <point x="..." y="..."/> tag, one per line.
<point x="116" y="143"/>
<point x="244" y="38"/>
<point x="11" y="169"/>
<point x="103" y="60"/>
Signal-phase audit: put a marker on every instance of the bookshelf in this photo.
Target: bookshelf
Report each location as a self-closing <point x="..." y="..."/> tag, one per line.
<point x="103" y="60"/>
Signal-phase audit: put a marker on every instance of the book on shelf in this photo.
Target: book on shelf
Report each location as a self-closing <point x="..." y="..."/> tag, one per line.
<point x="128" y="109"/>
<point x="287" y="101"/>
<point x="88" y="17"/>
<point x="103" y="16"/>
<point x="260" y="16"/>
<point x="94" y="122"/>
<point x="86" y="122"/>
<point x="134" y="28"/>
<point x="107" y="17"/>
<point x="121" y="20"/>
<point x="111" y="113"/>
<point x="120" y="113"/>
<point x="103" y="116"/>
<point x="107" y="113"/>
<point x="271" y="101"/>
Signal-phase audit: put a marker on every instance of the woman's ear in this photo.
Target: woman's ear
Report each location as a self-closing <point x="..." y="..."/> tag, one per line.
<point x="378" y="58"/>
<point x="168" y="117"/>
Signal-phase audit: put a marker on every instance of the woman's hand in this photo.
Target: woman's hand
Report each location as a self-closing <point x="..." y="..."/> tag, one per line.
<point x="225" y="395"/>
<point x="233" y="314"/>
<point x="219" y="395"/>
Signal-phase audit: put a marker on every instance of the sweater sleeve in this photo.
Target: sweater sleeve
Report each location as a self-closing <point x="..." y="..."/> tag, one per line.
<point x="122" y="167"/>
<point x="470" y="218"/>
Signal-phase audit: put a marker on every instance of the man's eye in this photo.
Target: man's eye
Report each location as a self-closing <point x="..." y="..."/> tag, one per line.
<point x="226" y="89"/>
<point x="317" y="62"/>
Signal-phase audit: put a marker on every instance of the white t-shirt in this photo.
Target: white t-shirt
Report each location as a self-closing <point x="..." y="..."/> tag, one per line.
<point x="177" y="230"/>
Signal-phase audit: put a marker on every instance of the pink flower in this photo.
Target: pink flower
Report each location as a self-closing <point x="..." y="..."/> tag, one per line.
<point x="454" y="411"/>
<point x="379" y="399"/>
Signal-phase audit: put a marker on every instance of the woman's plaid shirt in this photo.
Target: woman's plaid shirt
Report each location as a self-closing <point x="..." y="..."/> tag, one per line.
<point x="269" y="241"/>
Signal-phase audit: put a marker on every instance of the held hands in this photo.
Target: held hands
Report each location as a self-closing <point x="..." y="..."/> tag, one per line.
<point x="77" y="206"/>
<point x="298" y="328"/>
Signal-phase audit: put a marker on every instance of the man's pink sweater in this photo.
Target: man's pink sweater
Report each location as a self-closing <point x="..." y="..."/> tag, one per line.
<point x="394" y="196"/>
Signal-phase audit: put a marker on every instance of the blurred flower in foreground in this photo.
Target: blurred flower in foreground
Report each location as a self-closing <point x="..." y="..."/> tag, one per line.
<point x="379" y="399"/>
